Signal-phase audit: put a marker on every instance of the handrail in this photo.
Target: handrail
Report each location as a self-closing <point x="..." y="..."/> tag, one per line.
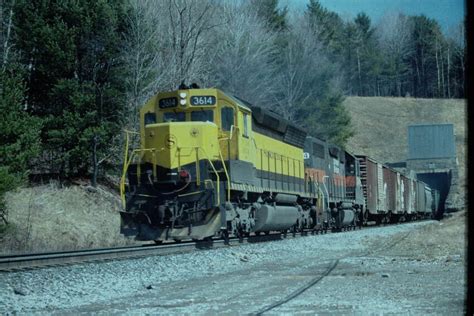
<point x="226" y="174"/>
<point x="124" y="170"/>
<point x="215" y="171"/>
<point x="126" y="165"/>
<point x="128" y="160"/>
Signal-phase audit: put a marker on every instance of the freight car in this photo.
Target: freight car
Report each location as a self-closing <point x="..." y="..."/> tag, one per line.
<point x="212" y="164"/>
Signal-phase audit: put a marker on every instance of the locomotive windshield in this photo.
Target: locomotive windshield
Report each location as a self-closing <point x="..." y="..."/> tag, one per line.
<point x="174" y="117"/>
<point x="202" y="116"/>
<point x="194" y="116"/>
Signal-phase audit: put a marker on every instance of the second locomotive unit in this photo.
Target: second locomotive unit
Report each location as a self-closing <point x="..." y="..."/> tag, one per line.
<point x="211" y="164"/>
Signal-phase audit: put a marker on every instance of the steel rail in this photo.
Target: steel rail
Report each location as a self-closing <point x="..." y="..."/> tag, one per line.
<point x="16" y="262"/>
<point x="10" y="263"/>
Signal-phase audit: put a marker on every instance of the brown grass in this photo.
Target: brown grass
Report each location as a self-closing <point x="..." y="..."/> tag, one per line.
<point x="49" y="218"/>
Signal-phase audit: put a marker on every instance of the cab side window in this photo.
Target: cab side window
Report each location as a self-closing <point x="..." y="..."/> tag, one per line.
<point x="227" y="118"/>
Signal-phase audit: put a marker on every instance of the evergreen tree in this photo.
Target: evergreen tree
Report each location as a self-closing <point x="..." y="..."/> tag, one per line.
<point x="269" y="12"/>
<point x="327" y="26"/>
<point x="425" y="36"/>
<point x="20" y="133"/>
<point x="359" y="56"/>
<point x="71" y="49"/>
<point x="325" y="117"/>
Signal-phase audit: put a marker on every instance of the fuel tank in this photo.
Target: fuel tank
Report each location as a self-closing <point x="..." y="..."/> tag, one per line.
<point x="346" y="217"/>
<point x="270" y="217"/>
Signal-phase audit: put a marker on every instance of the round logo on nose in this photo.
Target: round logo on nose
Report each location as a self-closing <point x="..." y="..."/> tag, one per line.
<point x="170" y="141"/>
<point x="194" y="132"/>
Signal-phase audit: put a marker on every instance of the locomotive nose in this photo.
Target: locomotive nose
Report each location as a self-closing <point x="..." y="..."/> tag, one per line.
<point x="175" y="144"/>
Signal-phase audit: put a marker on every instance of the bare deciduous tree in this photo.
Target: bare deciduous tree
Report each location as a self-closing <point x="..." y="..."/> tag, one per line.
<point x="187" y="40"/>
<point x="300" y="61"/>
<point x="394" y="36"/>
<point x="141" y="54"/>
<point x="243" y="62"/>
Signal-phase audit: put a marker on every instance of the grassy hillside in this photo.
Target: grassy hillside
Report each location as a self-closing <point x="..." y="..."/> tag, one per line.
<point x="381" y="126"/>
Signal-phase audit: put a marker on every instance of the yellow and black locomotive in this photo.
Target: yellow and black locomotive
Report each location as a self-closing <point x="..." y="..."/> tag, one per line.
<point x="211" y="164"/>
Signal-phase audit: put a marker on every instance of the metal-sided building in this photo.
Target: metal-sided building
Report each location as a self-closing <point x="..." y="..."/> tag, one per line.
<point x="432" y="155"/>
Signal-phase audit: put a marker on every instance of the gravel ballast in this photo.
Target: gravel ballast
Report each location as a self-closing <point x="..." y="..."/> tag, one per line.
<point x="245" y="279"/>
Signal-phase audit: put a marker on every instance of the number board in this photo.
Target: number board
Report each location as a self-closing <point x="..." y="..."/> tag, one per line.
<point x="168" y="103"/>
<point x="203" y="100"/>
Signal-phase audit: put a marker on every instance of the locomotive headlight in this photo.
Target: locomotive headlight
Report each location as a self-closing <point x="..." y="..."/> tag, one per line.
<point x="182" y="101"/>
<point x="182" y="95"/>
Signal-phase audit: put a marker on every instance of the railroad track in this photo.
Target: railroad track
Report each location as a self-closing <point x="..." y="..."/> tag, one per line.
<point x="11" y="263"/>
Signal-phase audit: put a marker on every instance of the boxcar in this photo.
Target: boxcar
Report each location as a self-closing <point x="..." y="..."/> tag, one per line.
<point x="372" y="178"/>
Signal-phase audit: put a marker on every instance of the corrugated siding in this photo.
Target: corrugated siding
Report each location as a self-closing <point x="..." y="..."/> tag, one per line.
<point x="406" y="194"/>
<point x="390" y="182"/>
<point x="372" y="195"/>
<point x="431" y="141"/>
<point x="382" y="189"/>
<point x="420" y="197"/>
<point x="412" y="196"/>
<point x="399" y="203"/>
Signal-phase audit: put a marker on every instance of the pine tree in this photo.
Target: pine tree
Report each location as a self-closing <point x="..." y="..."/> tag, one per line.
<point x="425" y="36"/>
<point x="71" y="49"/>
<point x="327" y="26"/>
<point x="269" y="12"/>
<point x="20" y="133"/>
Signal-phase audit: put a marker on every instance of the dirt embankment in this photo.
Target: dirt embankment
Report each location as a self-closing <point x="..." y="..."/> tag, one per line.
<point x="381" y="128"/>
<point x="51" y="217"/>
